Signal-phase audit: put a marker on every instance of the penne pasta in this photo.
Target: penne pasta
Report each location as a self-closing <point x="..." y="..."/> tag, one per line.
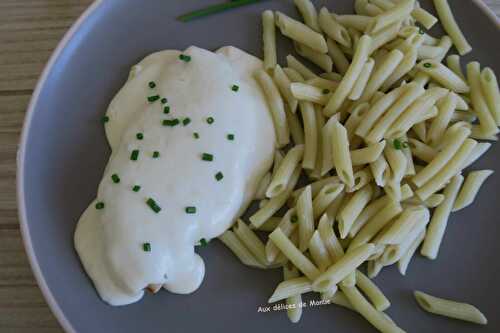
<point x="271" y="224"/>
<point x="472" y="184"/>
<point x="358" y="22"/>
<point x="310" y="135"/>
<point x="296" y="130"/>
<point x="294" y="311"/>
<point x="319" y="252"/>
<point x="491" y="93"/>
<point x="422" y="151"/>
<point x="287" y="227"/>
<point x="283" y="83"/>
<point x="362" y="80"/>
<point x="305" y="218"/>
<point x="439" y="124"/>
<point x="251" y="241"/>
<point x="325" y="197"/>
<point x="451" y="27"/>
<point x="329" y="238"/>
<point x="284" y="172"/>
<point x="424" y="17"/>
<point x="396" y="14"/>
<point x="381" y="171"/>
<point x="453" y="63"/>
<point x="341" y="155"/>
<point x="291" y="287"/>
<point x="301" y="33"/>
<point x="401" y="226"/>
<point x="338" y="57"/>
<point x="404" y="262"/>
<point x="309" y="13"/>
<point x="269" y="40"/>
<point x="444" y="76"/>
<point x="236" y="246"/>
<point x="263" y="185"/>
<point x="372" y="292"/>
<point x="333" y="29"/>
<point x="352" y="209"/>
<point x="368" y="154"/>
<point x="308" y="93"/>
<point x="295" y="64"/>
<point x="321" y="60"/>
<point x="479" y="150"/>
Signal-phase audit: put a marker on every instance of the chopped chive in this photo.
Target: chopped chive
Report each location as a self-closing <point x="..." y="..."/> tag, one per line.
<point x="99" y="205"/>
<point x="153" y="205"/>
<point x="397" y="144"/>
<point x="427" y="65"/>
<point x="214" y="9"/>
<point x="235" y="88"/>
<point x="230" y="137"/>
<point x="154" y="98"/>
<point x="134" y="155"/>
<point x="164" y="100"/>
<point x="104" y="119"/>
<point x="156" y="154"/>
<point x="136" y="188"/>
<point x="171" y="122"/>
<point x="196" y="135"/>
<point x="190" y="210"/>
<point x="218" y="176"/>
<point x="152" y="85"/>
<point x="203" y="242"/>
<point x="210" y="120"/>
<point x="207" y="157"/>
<point x="186" y="121"/>
<point x="146" y="247"/>
<point x="166" y="109"/>
<point x="115" y="178"/>
<point x="294" y="219"/>
<point x="326" y="91"/>
<point x="185" y="58"/>
<point x="139" y="136"/>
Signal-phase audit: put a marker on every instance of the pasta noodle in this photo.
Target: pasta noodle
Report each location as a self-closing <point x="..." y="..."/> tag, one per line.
<point x="301" y="33"/>
<point x="443" y="75"/>
<point x="251" y="241"/>
<point x="294" y="311"/>
<point x="338" y="57"/>
<point x="269" y="40"/>
<point x="471" y="187"/>
<point x="283" y="83"/>
<point x="341" y="155"/>
<point x="287" y="227"/>
<point x="305" y="218"/>
<point x="451" y="27"/>
<point x="453" y="63"/>
<point x="395" y="14"/>
<point x="333" y="29"/>
<point x="293" y="63"/>
<point x="372" y="292"/>
<point x="491" y="93"/>
<point x="352" y="209"/>
<point x="318" y="252"/>
<point x="362" y="80"/>
<point x="325" y="197"/>
<point x="309" y="13"/>
<point x="236" y="246"/>
<point x="295" y="127"/>
<point x="289" y="288"/>
<point x="368" y="154"/>
<point x="321" y="60"/>
<point x="310" y="135"/>
<point x="308" y="93"/>
<point x="284" y="172"/>
<point x="406" y="258"/>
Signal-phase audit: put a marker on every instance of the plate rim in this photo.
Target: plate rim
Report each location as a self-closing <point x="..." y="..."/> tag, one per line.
<point x="21" y="154"/>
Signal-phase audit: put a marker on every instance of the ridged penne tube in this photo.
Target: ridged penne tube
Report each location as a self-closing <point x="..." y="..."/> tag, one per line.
<point x="439" y="221"/>
<point x="404" y="67"/>
<point x="287" y="227"/>
<point x="453" y="167"/>
<point x="278" y="158"/>
<point x="294" y="255"/>
<point x="363" y="7"/>
<point x="319" y="252"/>
<point x="309" y="93"/>
<point x="358" y="22"/>
<point x="384" y="36"/>
<point x="367" y="213"/>
<point x="326" y="141"/>
<point x="295" y="64"/>
<point x="236" y="246"/>
<point x="271" y="224"/>
<point x="372" y="292"/>
<point x="373" y="268"/>
<point x="350" y="77"/>
<point x="325" y="197"/>
<point x="422" y="151"/>
<point x="354" y="119"/>
<point x="368" y="154"/>
<point x="404" y="262"/>
<point x="381" y="73"/>
<point x="472" y="184"/>
<point x="372" y="315"/>
<point x="300" y="32"/>
<point x="309" y="13"/>
<point x="444" y="76"/>
<point x="377" y="110"/>
<point x="451" y="309"/>
<point x="294" y="311"/>
<point x="276" y="106"/>
<point x="362" y="80"/>
<point x="341" y="154"/>
<point x="283" y="83"/>
<point x="397" y="162"/>
<point x="251" y="241"/>
<point x="352" y="209"/>
<point x="411" y="93"/>
<point x="439" y="124"/>
<point x="310" y="135"/>
<point x="491" y="93"/>
<point x="355" y="36"/>
<point x="420" y="130"/>
<point x="453" y="63"/>
<point x="329" y="238"/>
<point x="396" y="14"/>
<point x="269" y="40"/>
<point x="316" y="186"/>
<point x="322" y="83"/>
<point x="451" y="27"/>
<point x="284" y="172"/>
<point x="424" y="17"/>
<point x="401" y="226"/>
<point x="333" y="29"/>
<point x="263" y="185"/>
<point x="479" y="133"/>
<point x="322" y="60"/>
<point x="479" y="150"/>
<point x="289" y="288"/>
<point x="445" y="44"/>
<point x="338" y="57"/>
<point x="342" y="268"/>
<point x="264" y="213"/>
<point x="296" y="130"/>
<point x="406" y="32"/>
<point x="380" y="171"/>
<point x="305" y="217"/>
<point x="293" y="74"/>
<point x="431" y="202"/>
<point x="320" y="123"/>
<point x="375" y="224"/>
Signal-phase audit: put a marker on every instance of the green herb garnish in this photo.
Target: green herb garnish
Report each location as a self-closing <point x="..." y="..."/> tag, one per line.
<point x="134" y="155"/>
<point x="210" y="120"/>
<point x="207" y="157"/>
<point x="191" y="210"/>
<point x="139" y="136"/>
<point x="166" y="109"/>
<point x="115" y="178"/>
<point x="196" y="135"/>
<point x="428" y="65"/>
<point x="186" y="121"/>
<point x="235" y="88"/>
<point x="218" y="176"/>
<point x="397" y="144"/>
<point x="146" y="247"/>
<point x="154" y="98"/>
<point x="185" y="58"/>
<point x="153" y="205"/>
<point x="171" y="122"/>
<point x="230" y="137"/>
<point x="214" y="9"/>
<point x="136" y="188"/>
<point x="104" y="119"/>
<point x="99" y="205"/>
<point x="164" y="100"/>
<point x="203" y="242"/>
<point x="294" y="219"/>
<point x="156" y="154"/>
<point x="152" y="85"/>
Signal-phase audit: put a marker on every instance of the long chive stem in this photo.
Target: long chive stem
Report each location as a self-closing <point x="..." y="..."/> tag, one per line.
<point x="215" y="9"/>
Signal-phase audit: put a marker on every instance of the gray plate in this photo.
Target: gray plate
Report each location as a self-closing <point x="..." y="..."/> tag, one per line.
<point x="64" y="152"/>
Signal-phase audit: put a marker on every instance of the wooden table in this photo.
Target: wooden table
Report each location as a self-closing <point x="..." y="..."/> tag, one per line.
<point x="29" y="31"/>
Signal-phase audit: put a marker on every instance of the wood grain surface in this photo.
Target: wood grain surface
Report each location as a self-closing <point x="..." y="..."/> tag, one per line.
<point x="29" y="32"/>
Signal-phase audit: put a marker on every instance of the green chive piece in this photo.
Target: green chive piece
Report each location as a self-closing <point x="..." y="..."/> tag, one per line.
<point x="186" y="121"/>
<point x="207" y="157"/>
<point x="427" y="65"/>
<point x="153" y="205"/>
<point x="154" y="98"/>
<point x="397" y="144"/>
<point x="203" y="242"/>
<point x="156" y="154"/>
<point x="164" y="100"/>
<point x="99" y="205"/>
<point x="166" y="109"/>
<point x="115" y="178"/>
<point x="171" y="122"/>
<point x="185" y="58"/>
<point x="294" y="219"/>
<point x="146" y="247"/>
<point x="210" y="120"/>
<point x="152" y="85"/>
<point x="326" y="91"/>
<point x="135" y="155"/>
<point x="191" y="210"/>
<point x="235" y="88"/>
<point x="139" y="136"/>
<point x="104" y="119"/>
<point x="218" y="176"/>
<point x="230" y="137"/>
<point x="196" y="135"/>
<point x="136" y="188"/>
<point x="215" y="9"/>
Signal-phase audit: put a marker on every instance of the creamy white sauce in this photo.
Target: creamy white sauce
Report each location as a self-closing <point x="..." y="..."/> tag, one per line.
<point x="110" y="241"/>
